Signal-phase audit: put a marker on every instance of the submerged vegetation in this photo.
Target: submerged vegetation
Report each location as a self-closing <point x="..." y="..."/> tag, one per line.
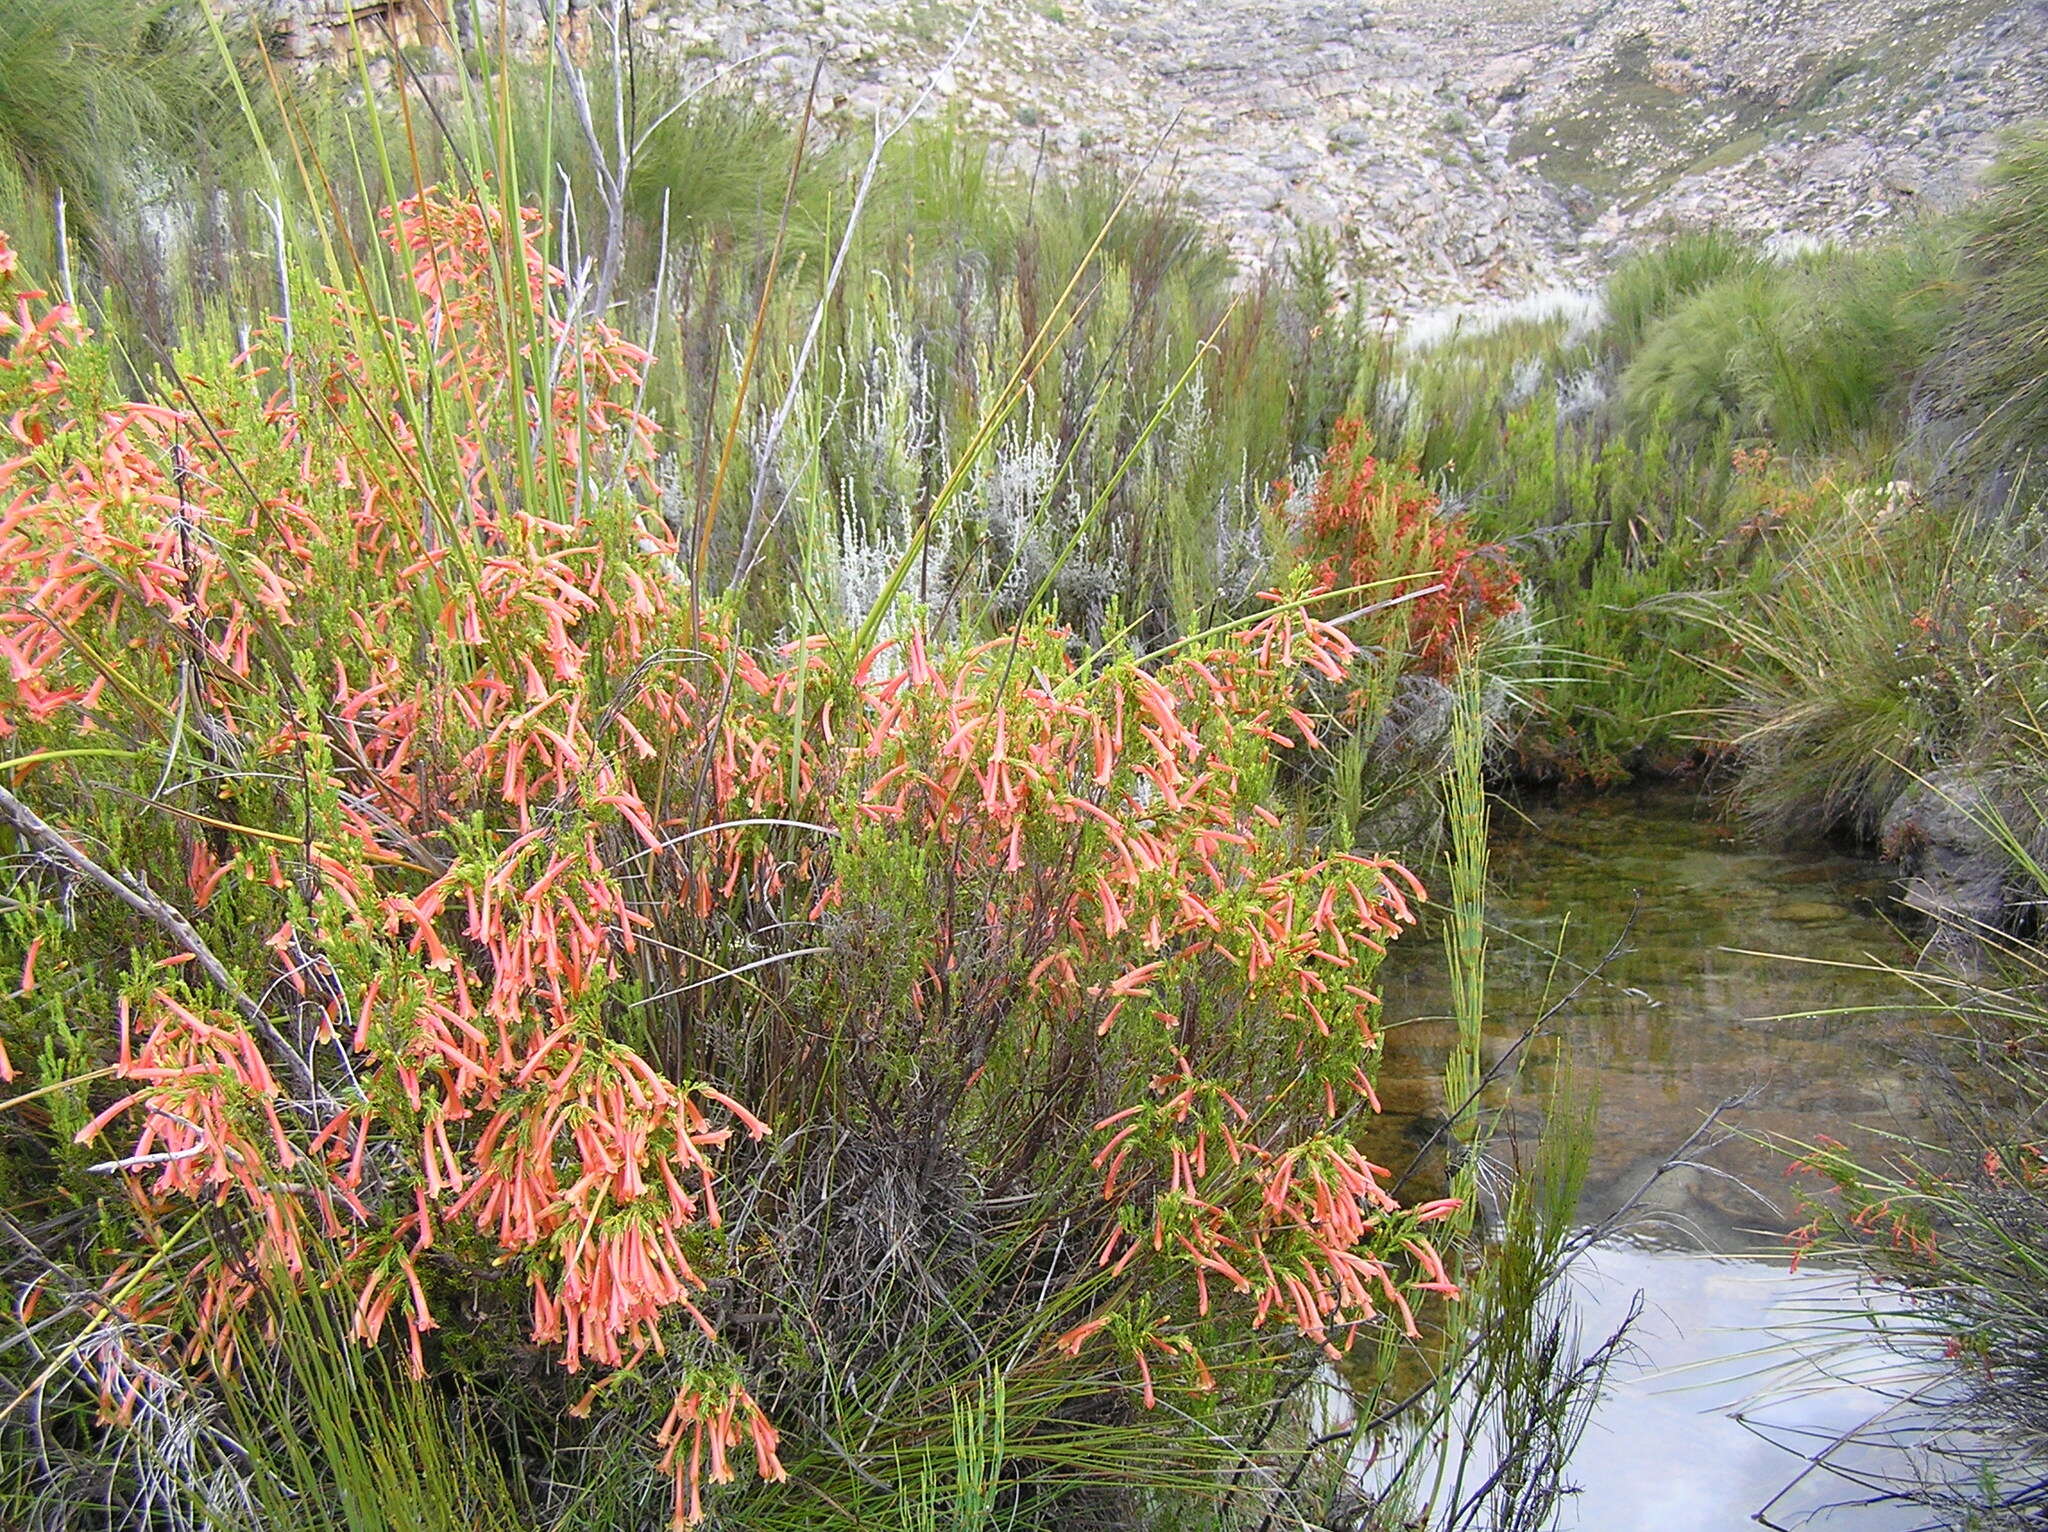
<point x="699" y="813"/>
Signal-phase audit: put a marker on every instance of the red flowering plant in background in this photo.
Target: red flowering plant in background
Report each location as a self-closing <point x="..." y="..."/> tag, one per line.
<point x="455" y="912"/>
<point x="1373" y="524"/>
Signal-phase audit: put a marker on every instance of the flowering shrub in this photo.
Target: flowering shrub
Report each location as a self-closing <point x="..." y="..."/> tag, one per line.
<point x="1884" y="1208"/>
<point x="1371" y="524"/>
<point x="457" y="910"/>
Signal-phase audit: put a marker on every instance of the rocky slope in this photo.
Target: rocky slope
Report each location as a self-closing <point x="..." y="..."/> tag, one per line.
<point x="1457" y="149"/>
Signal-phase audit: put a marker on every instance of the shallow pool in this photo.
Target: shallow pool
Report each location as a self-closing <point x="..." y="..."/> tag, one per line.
<point x="1682" y="966"/>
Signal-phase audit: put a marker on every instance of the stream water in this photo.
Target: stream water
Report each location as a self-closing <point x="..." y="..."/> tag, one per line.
<point x="1645" y="929"/>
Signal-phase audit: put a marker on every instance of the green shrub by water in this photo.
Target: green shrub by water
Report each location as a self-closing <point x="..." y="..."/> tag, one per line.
<point x="1814" y="354"/>
<point x="1608" y="462"/>
<point x="1690" y="373"/>
<point x="1960" y="1224"/>
<point x="1895" y="640"/>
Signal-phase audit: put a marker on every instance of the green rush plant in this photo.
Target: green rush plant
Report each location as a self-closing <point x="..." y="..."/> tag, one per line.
<point x="1895" y="640"/>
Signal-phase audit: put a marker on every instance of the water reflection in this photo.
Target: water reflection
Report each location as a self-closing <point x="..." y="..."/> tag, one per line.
<point x="1742" y="1365"/>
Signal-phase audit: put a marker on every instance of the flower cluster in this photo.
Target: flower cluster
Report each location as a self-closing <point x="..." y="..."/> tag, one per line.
<point x="1374" y="526"/>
